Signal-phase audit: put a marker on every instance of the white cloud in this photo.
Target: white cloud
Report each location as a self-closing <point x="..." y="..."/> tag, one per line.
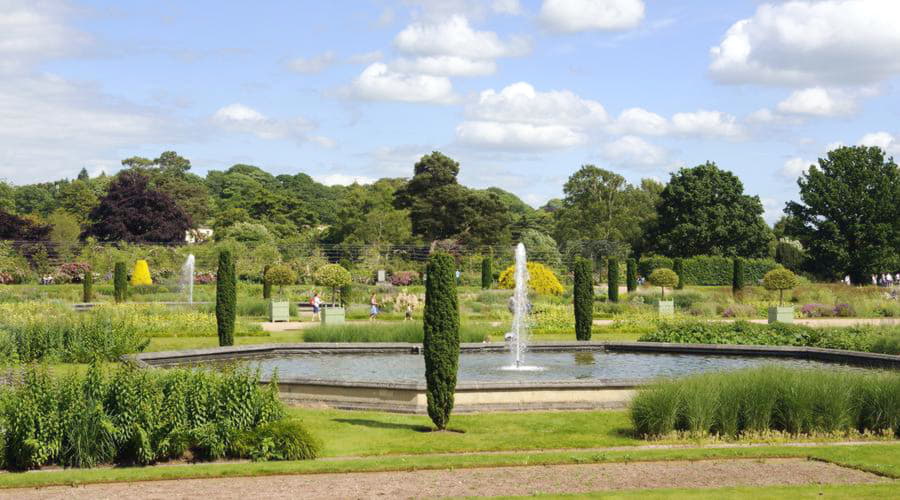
<point x="455" y="37"/>
<point x="519" y="117"/>
<point x="818" y="101"/>
<point x="807" y="43"/>
<point x="240" y="118"/>
<point x="582" y="15"/>
<point x="310" y="65"/>
<point x="794" y="167"/>
<point x="511" y="7"/>
<point x="445" y="66"/>
<point x="709" y="124"/>
<point x="379" y="83"/>
<point x="35" y="31"/>
<point x="343" y="179"/>
<point x="632" y="151"/>
<point x="366" y="57"/>
<point x="640" y="121"/>
<point x="888" y="142"/>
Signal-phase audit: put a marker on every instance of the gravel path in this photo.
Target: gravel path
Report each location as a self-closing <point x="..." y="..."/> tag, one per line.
<point x="481" y="482"/>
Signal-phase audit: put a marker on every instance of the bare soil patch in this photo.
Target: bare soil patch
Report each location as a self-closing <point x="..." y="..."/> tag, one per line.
<point x="480" y="482"/>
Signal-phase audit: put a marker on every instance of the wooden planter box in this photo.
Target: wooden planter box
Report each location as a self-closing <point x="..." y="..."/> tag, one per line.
<point x="666" y="307"/>
<point x="279" y="311"/>
<point x="332" y="315"/>
<point x="781" y="314"/>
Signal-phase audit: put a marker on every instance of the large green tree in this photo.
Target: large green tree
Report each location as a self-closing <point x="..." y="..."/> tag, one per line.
<point x="704" y="211"/>
<point x="848" y="219"/>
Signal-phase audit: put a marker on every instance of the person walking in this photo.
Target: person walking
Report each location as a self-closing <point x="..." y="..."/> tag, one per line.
<point x="316" y="302"/>
<point x="374" y="310"/>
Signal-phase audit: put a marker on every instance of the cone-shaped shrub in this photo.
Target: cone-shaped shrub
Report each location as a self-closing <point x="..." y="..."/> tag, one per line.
<point x="584" y="299"/>
<point x="120" y="282"/>
<point x="737" y="275"/>
<point x="631" y="275"/>
<point x="267" y="285"/>
<point x="141" y="274"/>
<point x="87" y="286"/>
<point x="226" y="298"/>
<point x="678" y="267"/>
<point x="487" y="273"/>
<point x="613" y="279"/>
<point x="441" y="341"/>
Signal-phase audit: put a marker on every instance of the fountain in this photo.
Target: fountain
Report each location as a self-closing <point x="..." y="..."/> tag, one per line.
<point x="518" y="337"/>
<point x="186" y="281"/>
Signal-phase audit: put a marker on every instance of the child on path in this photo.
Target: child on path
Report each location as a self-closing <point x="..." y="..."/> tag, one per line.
<point x="374" y="311"/>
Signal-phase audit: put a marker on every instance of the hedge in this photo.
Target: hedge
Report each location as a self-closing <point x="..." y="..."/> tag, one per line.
<point x="709" y="269"/>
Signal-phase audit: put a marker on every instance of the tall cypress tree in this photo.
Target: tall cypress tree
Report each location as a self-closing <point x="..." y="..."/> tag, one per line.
<point x="737" y="276"/>
<point x="487" y="273"/>
<point x="678" y="267"/>
<point x="441" y="346"/>
<point x="120" y="282"/>
<point x="631" y="275"/>
<point x="584" y="298"/>
<point x="613" y="279"/>
<point x="226" y="298"/>
<point x="87" y="284"/>
<point x="267" y="285"/>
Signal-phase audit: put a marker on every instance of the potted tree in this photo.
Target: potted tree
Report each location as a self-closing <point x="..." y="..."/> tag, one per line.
<point x="280" y="276"/>
<point x="664" y="278"/>
<point x="333" y="276"/>
<point x="780" y="279"/>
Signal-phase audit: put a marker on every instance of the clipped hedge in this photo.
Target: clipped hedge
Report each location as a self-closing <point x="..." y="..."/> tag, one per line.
<point x="709" y="269"/>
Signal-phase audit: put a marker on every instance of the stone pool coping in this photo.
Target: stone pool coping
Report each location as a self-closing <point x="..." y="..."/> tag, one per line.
<point x="409" y="397"/>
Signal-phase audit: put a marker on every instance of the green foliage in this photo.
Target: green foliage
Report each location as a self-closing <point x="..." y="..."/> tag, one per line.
<point x="704" y="211"/>
<point x="631" y="275"/>
<point x="709" y="270"/>
<point x="87" y="287"/>
<point x="848" y="219"/>
<point x="441" y="339"/>
<point x="541" y="279"/>
<point x="678" y="267"/>
<point x="790" y="254"/>
<point x="584" y="298"/>
<point x="796" y="402"/>
<point x="541" y="247"/>
<point x="140" y="417"/>
<point x="226" y="299"/>
<point x="613" y="279"/>
<point x="267" y="285"/>
<point x="407" y="332"/>
<point x="487" y="273"/>
<point x="333" y="276"/>
<point x="737" y="275"/>
<point x="663" y="278"/>
<point x="281" y="275"/>
<point x="780" y="279"/>
<point x="120" y="281"/>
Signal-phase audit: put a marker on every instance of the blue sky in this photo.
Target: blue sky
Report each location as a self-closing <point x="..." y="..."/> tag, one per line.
<point x="521" y="92"/>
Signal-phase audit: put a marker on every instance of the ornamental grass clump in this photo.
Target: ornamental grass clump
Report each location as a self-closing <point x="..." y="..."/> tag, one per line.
<point x="138" y="417"/>
<point x="663" y="278"/>
<point x="757" y="401"/>
<point x="780" y="279"/>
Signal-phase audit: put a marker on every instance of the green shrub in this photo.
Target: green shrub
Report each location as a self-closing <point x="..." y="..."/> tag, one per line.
<point x="678" y="267"/>
<point x="487" y="273"/>
<point x="333" y="276"/>
<point x="584" y="298"/>
<point x="226" y="298"/>
<point x="87" y="287"/>
<point x="612" y="282"/>
<point x="267" y="286"/>
<point x="793" y="401"/>
<point x="737" y="275"/>
<point x="631" y="275"/>
<point x="709" y="269"/>
<point x="888" y="344"/>
<point x="663" y="278"/>
<point x="120" y="281"/>
<point x="780" y="279"/>
<point x="133" y="416"/>
<point x="441" y="339"/>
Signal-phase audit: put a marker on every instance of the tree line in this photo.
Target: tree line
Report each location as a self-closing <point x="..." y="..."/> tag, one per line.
<point x="847" y="220"/>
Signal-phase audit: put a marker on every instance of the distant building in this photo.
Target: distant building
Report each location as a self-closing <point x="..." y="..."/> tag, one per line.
<point x="198" y="235"/>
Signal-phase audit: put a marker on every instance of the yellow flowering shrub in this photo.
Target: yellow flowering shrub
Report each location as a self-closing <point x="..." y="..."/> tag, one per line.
<point x="541" y="279"/>
<point x="141" y="274"/>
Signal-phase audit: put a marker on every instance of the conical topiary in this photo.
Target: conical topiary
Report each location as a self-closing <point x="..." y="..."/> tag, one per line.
<point x="441" y="345"/>
<point x="141" y="274"/>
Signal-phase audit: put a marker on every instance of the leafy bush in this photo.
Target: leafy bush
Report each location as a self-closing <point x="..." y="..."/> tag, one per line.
<point x="120" y="282"/>
<point x="541" y="279"/>
<point x="71" y="272"/>
<point x="663" y="278"/>
<point x="887" y="344"/>
<point x="333" y="276"/>
<point x="796" y="402"/>
<point x="780" y="279"/>
<point x="487" y="273"/>
<point x="404" y="278"/>
<point x="281" y="275"/>
<point x="584" y="299"/>
<point x="141" y="417"/>
<point x="709" y="270"/>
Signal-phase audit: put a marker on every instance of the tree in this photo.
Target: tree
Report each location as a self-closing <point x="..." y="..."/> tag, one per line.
<point x="612" y="282"/>
<point x="37" y="199"/>
<point x="133" y="212"/>
<point x="593" y="207"/>
<point x="487" y="273"/>
<point x="267" y="285"/>
<point x="631" y="275"/>
<point x="541" y="247"/>
<point x="17" y="228"/>
<point x="584" y="298"/>
<point x="83" y="175"/>
<point x="87" y="286"/>
<point x="120" y="282"/>
<point x="78" y="198"/>
<point x="678" y="267"/>
<point x="780" y="279"/>
<point x="441" y="342"/>
<point x="333" y="276"/>
<point x="737" y="275"/>
<point x="663" y="278"/>
<point x="704" y="211"/>
<point x="226" y="298"/>
<point x="281" y="275"/>
<point x="789" y="253"/>
<point x="848" y="219"/>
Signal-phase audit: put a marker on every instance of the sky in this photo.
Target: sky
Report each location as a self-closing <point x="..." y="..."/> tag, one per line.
<point x="520" y="92"/>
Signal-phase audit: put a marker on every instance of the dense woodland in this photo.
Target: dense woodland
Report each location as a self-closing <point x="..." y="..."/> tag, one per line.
<point x="847" y="220"/>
